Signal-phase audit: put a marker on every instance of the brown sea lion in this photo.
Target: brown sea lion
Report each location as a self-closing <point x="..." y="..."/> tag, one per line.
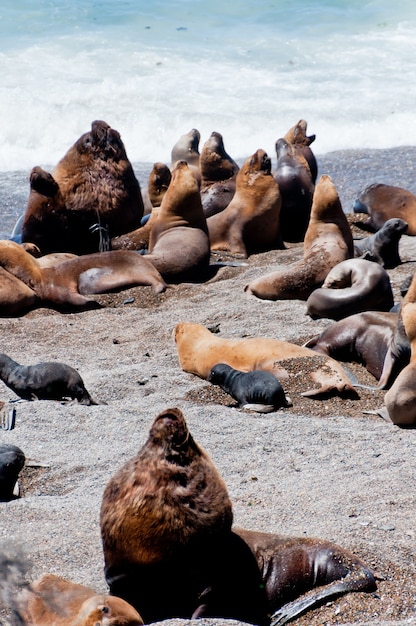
<point x="91" y="196"/>
<point x="296" y="185"/>
<point x="374" y="339"/>
<point x="65" y="285"/>
<point x="53" y="601"/>
<point x="218" y="175"/>
<point x="158" y="183"/>
<point x="297" y="137"/>
<point x="178" y="242"/>
<point x="383" y="246"/>
<point x="352" y="286"/>
<point x="328" y="241"/>
<point x="250" y="223"/>
<point x="383" y="202"/>
<point x="199" y="350"/>
<point x="187" y="149"/>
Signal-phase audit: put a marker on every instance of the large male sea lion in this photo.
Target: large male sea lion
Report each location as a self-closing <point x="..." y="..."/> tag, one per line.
<point x="53" y="601"/>
<point x="170" y="550"/>
<point x="218" y="175"/>
<point x="328" y="241"/>
<point x="383" y="202"/>
<point x="43" y="381"/>
<point x="352" y="286"/>
<point x="92" y="193"/>
<point x="187" y="149"/>
<point x="383" y="246"/>
<point x="199" y="351"/>
<point x="250" y="223"/>
<point x="65" y="284"/>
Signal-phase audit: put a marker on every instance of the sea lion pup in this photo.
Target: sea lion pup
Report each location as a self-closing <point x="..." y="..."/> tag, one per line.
<point x="375" y="339"/>
<point x="199" y="351"/>
<point x="91" y="195"/>
<point x="44" y="381"/>
<point x="166" y="530"/>
<point x="63" y="285"/>
<point x="53" y="601"/>
<point x="218" y="175"/>
<point x="296" y="185"/>
<point x="187" y="149"/>
<point x="352" y="286"/>
<point x="297" y="137"/>
<point x="12" y="460"/>
<point x="383" y="246"/>
<point x="383" y="202"/>
<point x="328" y="241"/>
<point x="250" y="223"/>
<point x="178" y="242"/>
<point x="254" y="391"/>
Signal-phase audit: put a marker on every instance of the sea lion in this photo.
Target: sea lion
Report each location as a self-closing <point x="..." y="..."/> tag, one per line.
<point x="297" y="137"/>
<point x="383" y="202"/>
<point x="250" y="223"/>
<point x="254" y="391"/>
<point x="178" y="241"/>
<point x="158" y="183"/>
<point x="91" y="196"/>
<point x="374" y="339"/>
<point x="166" y="531"/>
<point x="296" y="185"/>
<point x="352" y="286"/>
<point x="12" y="460"/>
<point x="199" y="351"/>
<point x="383" y="246"/>
<point x="53" y="601"/>
<point x="187" y="149"/>
<point x="44" y="381"/>
<point x="328" y="241"/>
<point x="64" y="285"/>
<point x="218" y="175"/>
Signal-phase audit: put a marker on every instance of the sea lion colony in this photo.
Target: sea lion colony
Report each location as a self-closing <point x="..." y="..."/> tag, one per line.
<point x="179" y="241"/>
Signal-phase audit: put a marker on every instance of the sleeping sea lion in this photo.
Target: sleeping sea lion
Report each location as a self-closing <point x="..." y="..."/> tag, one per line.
<point x="383" y="202"/>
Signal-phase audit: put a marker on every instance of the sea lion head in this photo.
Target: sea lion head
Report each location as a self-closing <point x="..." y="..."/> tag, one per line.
<point x="297" y="134"/>
<point x="169" y="430"/>
<point x="107" y="611"/>
<point x="259" y="162"/>
<point x="101" y="141"/>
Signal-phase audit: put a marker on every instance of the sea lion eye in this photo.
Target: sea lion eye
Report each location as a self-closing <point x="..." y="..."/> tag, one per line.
<point x="105" y="609"/>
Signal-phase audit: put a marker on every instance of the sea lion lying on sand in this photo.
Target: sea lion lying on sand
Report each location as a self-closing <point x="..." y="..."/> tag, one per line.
<point x="383" y="202"/>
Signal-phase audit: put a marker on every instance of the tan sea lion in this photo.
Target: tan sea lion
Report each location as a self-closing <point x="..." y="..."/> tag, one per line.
<point x="218" y="175"/>
<point x="65" y="285"/>
<point x="328" y="241"/>
<point x="250" y="223"/>
<point x="383" y="202"/>
<point x="91" y="196"/>
<point x="199" y="351"/>
<point x="352" y="286"/>
<point x="187" y="149"/>
<point x="53" y="601"/>
<point x="293" y="175"/>
<point x="178" y="242"/>
<point x="297" y="137"/>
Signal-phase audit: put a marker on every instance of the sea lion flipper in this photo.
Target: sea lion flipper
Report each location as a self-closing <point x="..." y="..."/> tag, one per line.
<point x="381" y="412"/>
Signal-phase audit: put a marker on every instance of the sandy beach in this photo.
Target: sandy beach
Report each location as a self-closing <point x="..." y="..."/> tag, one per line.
<point x="322" y="468"/>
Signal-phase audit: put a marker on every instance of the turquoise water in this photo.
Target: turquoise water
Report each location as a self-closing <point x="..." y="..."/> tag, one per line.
<point x="249" y="70"/>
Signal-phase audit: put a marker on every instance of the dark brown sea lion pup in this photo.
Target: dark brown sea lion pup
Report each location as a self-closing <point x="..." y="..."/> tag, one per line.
<point x="218" y="175"/>
<point x="383" y="246"/>
<point x="53" y="601"/>
<point x="297" y="137"/>
<point x="352" y="286"/>
<point x="178" y="241"/>
<point x="12" y="460"/>
<point x="187" y="149"/>
<point x="170" y="550"/>
<point x="296" y="185"/>
<point x="328" y="241"/>
<point x="64" y="285"/>
<point x="254" y="391"/>
<point x="250" y="223"/>
<point x="199" y="350"/>
<point x="92" y="193"/>
<point x="44" y="381"/>
<point x="383" y="202"/>
<point x="375" y="339"/>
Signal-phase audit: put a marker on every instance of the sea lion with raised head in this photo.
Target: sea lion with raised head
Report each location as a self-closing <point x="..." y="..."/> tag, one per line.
<point x="352" y="286"/>
<point x="91" y="196"/>
<point x="383" y="246"/>
<point x="53" y="601"/>
<point x="187" y="149"/>
<point x="328" y="241"/>
<point x="12" y="461"/>
<point x="218" y="175"/>
<point x="250" y="223"/>
<point x="297" y="137"/>
<point x="199" y="351"/>
<point x="383" y="202"/>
